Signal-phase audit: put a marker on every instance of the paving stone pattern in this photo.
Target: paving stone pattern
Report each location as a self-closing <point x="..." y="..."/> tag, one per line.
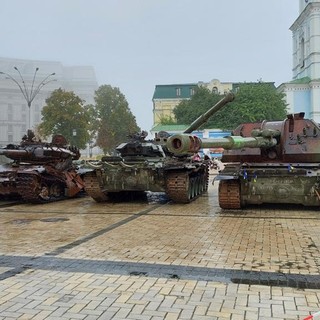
<point x="78" y="259"/>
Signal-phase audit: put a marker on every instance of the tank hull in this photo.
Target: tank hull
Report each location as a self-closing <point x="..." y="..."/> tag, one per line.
<point x="38" y="184"/>
<point x="182" y="181"/>
<point x="283" y="183"/>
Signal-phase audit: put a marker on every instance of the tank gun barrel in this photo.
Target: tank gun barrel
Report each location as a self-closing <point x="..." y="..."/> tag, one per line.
<point x="185" y="144"/>
<point x="204" y="117"/>
<point x="38" y="154"/>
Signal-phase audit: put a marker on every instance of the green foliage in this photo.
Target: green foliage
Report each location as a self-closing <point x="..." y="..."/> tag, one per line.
<point x="115" y="121"/>
<point x="65" y="114"/>
<point x="167" y="120"/>
<point x="189" y="110"/>
<point x="254" y="102"/>
<point x="93" y="121"/>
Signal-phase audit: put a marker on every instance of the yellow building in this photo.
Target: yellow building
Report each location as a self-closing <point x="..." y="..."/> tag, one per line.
<point x="167" y="97"/>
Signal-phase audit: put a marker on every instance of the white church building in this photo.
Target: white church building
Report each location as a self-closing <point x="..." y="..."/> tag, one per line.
<point x="303" y="92"/>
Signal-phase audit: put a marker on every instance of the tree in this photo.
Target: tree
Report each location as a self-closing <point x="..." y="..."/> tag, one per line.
<point x="115" y="119"/>
<point x="92" y="124"/>
<point x="189" y="110"/>
<point x="64" y="113"/>
<point x="167" y="120"/>
<point x="253" y="102"/>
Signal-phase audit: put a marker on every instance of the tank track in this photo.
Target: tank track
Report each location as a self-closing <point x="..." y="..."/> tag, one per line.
<point x="182" y="187"/>
<point x="36" y="188"/>
<point x="93" y="188"/>
<point x="229" y="194"/>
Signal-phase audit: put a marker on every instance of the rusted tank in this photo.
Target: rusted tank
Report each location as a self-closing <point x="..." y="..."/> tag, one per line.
<point x="147" y="165"/>
<point x="267" y="162"/>
<point x="40" y="171"/>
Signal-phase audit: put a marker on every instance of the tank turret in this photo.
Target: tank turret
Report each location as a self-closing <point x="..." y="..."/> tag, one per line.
<point x="39" y="154"/>
<point x="34" y="151"/>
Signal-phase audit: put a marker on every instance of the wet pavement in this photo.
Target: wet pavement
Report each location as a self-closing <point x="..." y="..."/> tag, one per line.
<point x="153" y="259"/>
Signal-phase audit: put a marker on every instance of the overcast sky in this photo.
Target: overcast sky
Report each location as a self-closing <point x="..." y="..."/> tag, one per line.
<point x="137" y="44"/>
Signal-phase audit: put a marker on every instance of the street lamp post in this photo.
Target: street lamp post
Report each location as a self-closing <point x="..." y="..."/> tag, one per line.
<point x="29" y="93"/>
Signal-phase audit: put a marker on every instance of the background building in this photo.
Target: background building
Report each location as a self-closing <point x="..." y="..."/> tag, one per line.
<point x="15" y="116"/>
<point x="303" y="92"/>
<point x="166" y="97"/>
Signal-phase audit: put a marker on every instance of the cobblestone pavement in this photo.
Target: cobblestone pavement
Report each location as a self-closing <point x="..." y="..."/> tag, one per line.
<point x="78" y="259"/>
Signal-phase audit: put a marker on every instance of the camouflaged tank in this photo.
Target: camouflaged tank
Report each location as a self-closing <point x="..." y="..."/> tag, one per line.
<point x="148" y="165"/>
<point x="40" y="172"/>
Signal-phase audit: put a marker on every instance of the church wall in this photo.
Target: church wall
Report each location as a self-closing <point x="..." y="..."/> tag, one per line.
<point x="302" y="102"/>
<point x="289" y="100"/>
<point x="315" y="101"/>
<point x="315" y="74"/>
<point x="303" y="93"/>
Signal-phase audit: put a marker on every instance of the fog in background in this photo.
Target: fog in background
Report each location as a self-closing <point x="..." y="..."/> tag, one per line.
<point x="137" y="44"/>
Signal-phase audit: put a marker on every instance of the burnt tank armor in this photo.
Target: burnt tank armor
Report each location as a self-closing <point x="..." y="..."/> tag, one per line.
<point x="266" y="162"/>
<point x="40" y="171"/>
<point x="148" y="165"/>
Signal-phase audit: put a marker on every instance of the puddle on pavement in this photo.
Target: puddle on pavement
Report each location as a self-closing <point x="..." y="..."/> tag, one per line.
<point x="139" y="197"/>
<point x="157" y="197"/>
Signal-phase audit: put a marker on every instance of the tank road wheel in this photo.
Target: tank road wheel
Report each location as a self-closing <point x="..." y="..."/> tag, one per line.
<point x="192" y="188"/>
<point x="56" y="190"/>
<point x="44" y="192"/>
<point x="31" y="189"/>
<point x="205" y="178"/>
<point x="199" y="186"/>
<point x="177" y="186"/>
<point x="229" y="194"/>
<point x="92" y="187"/>
<point x="182" y="188"/>
<point x="204" y="181"/>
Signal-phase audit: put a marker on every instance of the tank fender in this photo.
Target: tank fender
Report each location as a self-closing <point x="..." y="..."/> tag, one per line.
<point x="74" y="183"/>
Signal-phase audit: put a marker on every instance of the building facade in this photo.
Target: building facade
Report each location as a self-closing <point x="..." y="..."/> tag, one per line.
<point x="40" y="77"/>
<point x="303" y="92"/>
<point x="167" y="97"/>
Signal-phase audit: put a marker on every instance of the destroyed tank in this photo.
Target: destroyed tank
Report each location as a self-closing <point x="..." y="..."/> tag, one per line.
<point x="40" y="171"/>
<point x="273" y="162"/>
<point x="147" y="165"/>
